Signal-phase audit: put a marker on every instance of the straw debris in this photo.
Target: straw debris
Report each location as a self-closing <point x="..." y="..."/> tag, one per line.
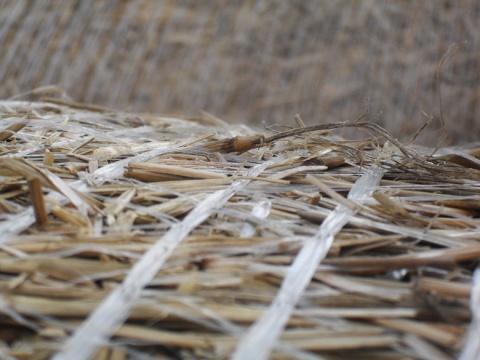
<point x="174" y="238"/>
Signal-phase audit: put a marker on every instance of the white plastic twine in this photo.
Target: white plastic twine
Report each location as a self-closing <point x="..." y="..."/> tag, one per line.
<point x="259" y="212"/>
<point x="471" y="349"/>
<point x="114" y="310"/>
<point x="262" y="336"/>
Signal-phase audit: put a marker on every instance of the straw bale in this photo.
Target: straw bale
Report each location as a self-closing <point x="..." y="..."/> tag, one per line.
<point x="251" y="61"/>
<point x="128" y="235"/>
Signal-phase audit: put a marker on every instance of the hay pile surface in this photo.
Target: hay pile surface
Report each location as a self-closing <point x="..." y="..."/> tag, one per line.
<point x="130" y="236"/>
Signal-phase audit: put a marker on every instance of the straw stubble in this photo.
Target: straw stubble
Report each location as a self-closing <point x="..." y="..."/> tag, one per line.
<point x="396" y="277"/>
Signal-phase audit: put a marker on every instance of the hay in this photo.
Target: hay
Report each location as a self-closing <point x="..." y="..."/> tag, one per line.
<point x="128" y="235"/>
<point x="252" y="61"/>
